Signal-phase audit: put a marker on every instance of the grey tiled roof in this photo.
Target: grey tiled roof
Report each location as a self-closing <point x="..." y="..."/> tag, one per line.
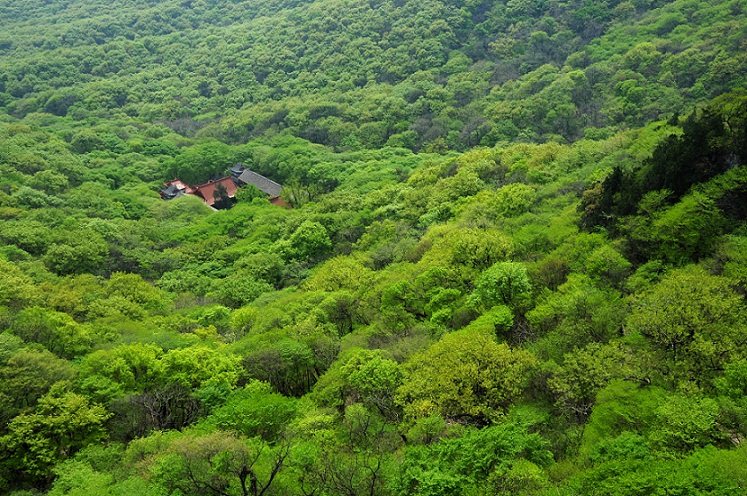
<point x="237" y="169"/>
<point x="265" y="185"/>
<point x="171" y="192"/>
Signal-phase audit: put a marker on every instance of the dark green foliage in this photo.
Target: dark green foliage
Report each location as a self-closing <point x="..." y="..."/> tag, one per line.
<point x="713" y="140"/>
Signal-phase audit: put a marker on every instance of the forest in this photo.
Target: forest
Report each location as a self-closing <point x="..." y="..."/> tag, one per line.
<point x="513" y="259"/>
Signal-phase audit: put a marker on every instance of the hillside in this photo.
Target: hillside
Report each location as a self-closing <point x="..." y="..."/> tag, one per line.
<point x="361" y="74"/>
<point x="515" y="262"/>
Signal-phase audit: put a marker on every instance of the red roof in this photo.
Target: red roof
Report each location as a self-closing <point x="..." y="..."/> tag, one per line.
<point x="207" y="190"/>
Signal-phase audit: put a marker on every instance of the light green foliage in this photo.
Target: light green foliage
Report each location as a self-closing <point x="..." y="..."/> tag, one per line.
<point x="388" y="242"/>
<point x="496" y="321"/>
<point x="218" y="463"/>
<point x="73" y="294"/>
<point x="249" y="192"/>
<point x="685" y="231"/>
<point x="513" y="199"/>
<point x="685" y="423"/>
<point x="585" y="371"/>
<point x="340" y="309"/>
<point x="626" y="446"/>
<point x="503" y="459"/>
<point x="478" y="249"/>
<point x="49" y="181"/>
<point x="256" y="410"/>
<point x="197" y="165"/>
<point x="32" y="237"/>
<point x="197" y="365"/>
<point x="61" y="424"/>
<point x="426" y="430"/>
<point x="239" y="288"/>
<point x="626" y="465"/>
<point x="731" y="255"/>
<point x="309" y="241"/>
<point x="439" y="158"/>
<point x="372" y="379"/>
<point x="505" y="283"/>
<point x="115" y="306"/>
<point x="16" y="288"/>
<point x="133" y="367"/>
<point x="398" y="305"/>
<point x="621" y="406"/>
<point x="340" y="273"/>
<point x="466" y="375"/>
<point x="289" y="365"/>
<point x="31" y="198"/>
<point x="85" y="475"/>
<point x="85" y="251"/>
<point x="471" y="250"/>
<point x="267" y="267"/>
<point x="243" y="319"/>
<point x="355" y="458"/>
<point x="56" y="331"/>
<point x="217" y="316"/>
<point x="510" y="200"/>
<point x="138" y="291"/>
<point x="697" y="320"/>
<point x="608" y="266"/>
<point x="75" y="478"/>
<point x="672" y="424"/>
<point x="441" y="304"/>
<point x="27" y="374"/>
<point x="576" y="314"/>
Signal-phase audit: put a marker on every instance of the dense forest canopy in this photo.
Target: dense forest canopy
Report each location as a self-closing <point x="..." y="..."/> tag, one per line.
<point x="358" y="74"/>
<point x="515" y="262"/>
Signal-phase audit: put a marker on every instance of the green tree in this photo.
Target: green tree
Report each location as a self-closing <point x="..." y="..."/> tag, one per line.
<point x="503" y="459"/>
<point x="587" y="370"/>
<point x="696" y="319"/>
<point x="238" y="289"/>
<point x="56" y="331"/>
<point x="256" y="410"/>
<point x="219" y="464"/>
<point x="85" y="253"/>
<point x="372" y="379"/>
<point x="356" y="458"/>
<point x="135" y="367"/>
<point x="288" y="365"/>
<point x="61" y="424"/>
<point x="577" y="314"/>
<point x="309" y="241"/>
<point x="16" y="288"/>
<point x="137" y="290"/>
<point x="465" y="376"/>
<point x="504" y="283"/>
<point x="199" y="163"/>
<point x="27" y="375"/>
<point x="199" y="365"/>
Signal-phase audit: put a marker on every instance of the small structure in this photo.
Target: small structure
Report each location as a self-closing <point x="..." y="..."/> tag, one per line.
<point x="175" y="188"/>
<point x="213" y="191"/>
<point x="236" y="170"/>
<point x="244" y="176"/>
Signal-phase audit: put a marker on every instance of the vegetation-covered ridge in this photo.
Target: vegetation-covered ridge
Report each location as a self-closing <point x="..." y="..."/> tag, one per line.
<point x="516" y="262"/>
<point x="357" y="74"/>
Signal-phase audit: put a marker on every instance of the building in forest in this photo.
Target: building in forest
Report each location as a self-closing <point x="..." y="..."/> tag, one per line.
<point x="269" y="187"/>
<point x="221" y="193"/>
<point x="175" y="188"/>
